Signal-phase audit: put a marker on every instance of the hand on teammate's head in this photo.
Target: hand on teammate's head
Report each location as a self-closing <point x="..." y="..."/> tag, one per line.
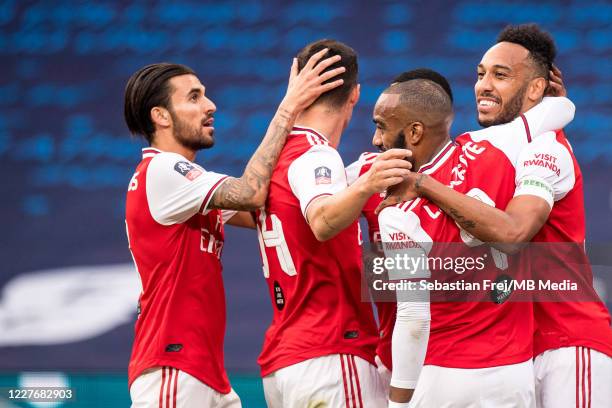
<point x="308" y="84"/>
<point x="556" y="87"/>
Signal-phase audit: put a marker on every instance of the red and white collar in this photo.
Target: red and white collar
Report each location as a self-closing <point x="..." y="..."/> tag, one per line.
<point x="438" y="159"/>
<point x="149" y="152"/>
<point x="314" y="137"/>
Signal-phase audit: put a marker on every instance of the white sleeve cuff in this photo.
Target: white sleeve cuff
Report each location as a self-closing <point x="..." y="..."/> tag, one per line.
<point x="227" y="214"/>
<point x="536" y="186"/>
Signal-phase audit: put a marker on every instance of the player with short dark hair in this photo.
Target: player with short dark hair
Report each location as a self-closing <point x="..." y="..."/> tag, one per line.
<point x="174" y="223"/>
<point x="385" y="308"/>
<point x="146" y="90"/>
<point x="464" y="346"/>
<point x="319" y="349"/>
<point x="337" y="97"/>
<point x="573" y="339"/>
<point x="520" y="62"/>
<point x="539" y="43"/>
<point x="426" y="73"/>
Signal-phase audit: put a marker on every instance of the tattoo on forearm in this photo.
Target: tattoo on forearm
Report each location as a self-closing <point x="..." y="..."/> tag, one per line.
<point x="461" y="220"/>
<point x="230" y="195"/>
<point x="241" y="193"/>
<point x="327" y="222"/>
<point x="419" y="181"/>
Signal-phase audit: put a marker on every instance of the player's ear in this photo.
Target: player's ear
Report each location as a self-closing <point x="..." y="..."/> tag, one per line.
<point x="448" y="121"/>
<point x="414" y="133"/>
<point x="355" y="92"/>
<point x="536" y="89"/>
<point x="161" y="117"/>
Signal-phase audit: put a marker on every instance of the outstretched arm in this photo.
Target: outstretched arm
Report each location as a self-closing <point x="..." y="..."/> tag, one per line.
<point x="538" y="185"/>
<point x="507" y="230"/>
<point x="249" y="191"/>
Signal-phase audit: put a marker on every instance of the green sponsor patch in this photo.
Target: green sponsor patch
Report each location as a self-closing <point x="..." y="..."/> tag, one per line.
<point x="539" y="184"/>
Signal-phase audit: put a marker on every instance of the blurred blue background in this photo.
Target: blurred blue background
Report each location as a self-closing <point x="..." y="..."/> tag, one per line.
<point x="67" y="288"/>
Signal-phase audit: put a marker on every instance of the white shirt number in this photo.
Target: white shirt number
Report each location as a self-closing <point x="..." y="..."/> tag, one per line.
<point x="274" y="237"/>
<point x="133" y="182"/>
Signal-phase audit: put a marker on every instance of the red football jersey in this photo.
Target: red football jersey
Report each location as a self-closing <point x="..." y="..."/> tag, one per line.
<point x="564" y="323"/>
<point x="476" y="334"/>
<point x="467" y="334"/>
<point x="353" y="171"/>
<point x="176" y="244"/>
<point x="314" y="286"/>
<point x="386" y="310"/>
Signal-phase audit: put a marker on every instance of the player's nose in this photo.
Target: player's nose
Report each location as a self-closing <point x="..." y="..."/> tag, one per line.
<point x="377" y="140"/>
<point x="484" y="84"/>
<point x="209" y="106"/>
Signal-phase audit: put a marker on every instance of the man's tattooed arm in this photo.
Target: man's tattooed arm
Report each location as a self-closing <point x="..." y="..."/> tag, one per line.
<point x="507" y="230"/>
<point x="461" y="220"/>
<point x="250" y="191"/>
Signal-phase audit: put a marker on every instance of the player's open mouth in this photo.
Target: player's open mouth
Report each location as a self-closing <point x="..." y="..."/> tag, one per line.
<point x="209" y="123"/>
<point x="486" y="105"/>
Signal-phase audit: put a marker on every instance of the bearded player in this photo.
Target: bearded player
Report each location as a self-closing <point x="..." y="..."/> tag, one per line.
<point x="573" y="339"/>
<point x="464" y="350"/>
<point x="386" y="308"/>
<point x="175" y="228"/>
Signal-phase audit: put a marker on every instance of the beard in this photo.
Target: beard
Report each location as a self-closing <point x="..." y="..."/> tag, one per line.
<point x="193" y="138"/>
<point x="400" y="143"/>
<point x="511" y="110"/>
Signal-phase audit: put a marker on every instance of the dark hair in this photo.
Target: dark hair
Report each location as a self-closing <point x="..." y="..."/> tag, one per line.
<point x="147" y="88"/>
<point x="539" y="43"/>
<point x="425" y="73"/>
<point x="338" y="96"/>
<point x="425" y="99"/>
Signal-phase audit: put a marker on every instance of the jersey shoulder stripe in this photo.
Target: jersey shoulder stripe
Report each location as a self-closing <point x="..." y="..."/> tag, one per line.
<point x="313" y="137"/>
<point x="527" y="131"/>
<point x="438" y="159"/>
